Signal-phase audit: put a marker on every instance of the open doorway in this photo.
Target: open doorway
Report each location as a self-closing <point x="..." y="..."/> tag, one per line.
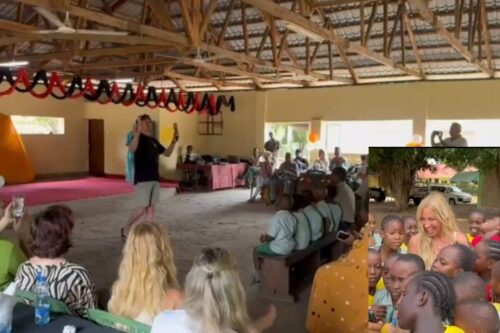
<point x="96" y="147"/>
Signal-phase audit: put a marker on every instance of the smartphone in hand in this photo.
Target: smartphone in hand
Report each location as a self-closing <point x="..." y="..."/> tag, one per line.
<point x="176" y="132"/>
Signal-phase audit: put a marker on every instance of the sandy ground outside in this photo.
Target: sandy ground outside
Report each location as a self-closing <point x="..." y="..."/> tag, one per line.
<point x="194" y="221"/>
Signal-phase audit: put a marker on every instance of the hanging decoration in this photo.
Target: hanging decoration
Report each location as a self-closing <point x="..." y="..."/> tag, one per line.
<point x="106" y="92"/>
<point x="313" y="137"/>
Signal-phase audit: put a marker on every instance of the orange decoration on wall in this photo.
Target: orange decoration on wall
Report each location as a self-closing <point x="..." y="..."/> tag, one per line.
<point x="15" y="166"/>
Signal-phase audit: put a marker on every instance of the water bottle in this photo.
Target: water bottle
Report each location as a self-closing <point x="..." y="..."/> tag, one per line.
<point x="42" y="306"/>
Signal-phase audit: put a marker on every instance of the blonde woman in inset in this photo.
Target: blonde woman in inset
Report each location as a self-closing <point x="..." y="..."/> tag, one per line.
<point x="214" y="300"/>
<point x="437" y="228"/>
<point x="147" y="277"/>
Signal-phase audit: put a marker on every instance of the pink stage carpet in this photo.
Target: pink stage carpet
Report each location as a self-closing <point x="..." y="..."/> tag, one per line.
<point x="57" y="191"/>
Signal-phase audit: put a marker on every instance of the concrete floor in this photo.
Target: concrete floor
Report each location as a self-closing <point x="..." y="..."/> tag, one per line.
<point x="194" y="220"/>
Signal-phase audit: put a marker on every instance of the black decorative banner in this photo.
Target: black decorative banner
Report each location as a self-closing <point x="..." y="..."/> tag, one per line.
<point x="107" y="92"/>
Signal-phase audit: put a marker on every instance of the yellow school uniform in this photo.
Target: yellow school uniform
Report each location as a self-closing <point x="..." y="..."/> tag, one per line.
<point x="380" y="284"/>
<point x="453" y="329"/>
<point x="404" y="248"/>
<point x="385" y="328"/>
<point x="470" y="237"/>
<point x="497" y="306"/>
<point x="371" y="300"/>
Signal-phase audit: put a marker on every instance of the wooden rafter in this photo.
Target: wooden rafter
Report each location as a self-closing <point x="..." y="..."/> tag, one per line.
<point x="486" y="35"/>
<point x="394" y="28"/>
<point x="180" y="76"/>
<point x="206" y="18"/>
<point x="459" y="10"/>
<point x="159" y="10"/>
<point x="244" y="26"/>
<point x="385" y="32"/>
<point x="370" y="23"/>
<point x="431" y="18"/>
<point x="226" y="22"/>
<point x="167" y="35"/>
<point x="328" y="34"/>
<point x="413" y="42"/>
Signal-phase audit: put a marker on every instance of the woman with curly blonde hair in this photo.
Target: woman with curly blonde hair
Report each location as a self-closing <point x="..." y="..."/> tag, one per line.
<point x="437" y="228"/>
<point x="214" y="300"/>
<point x="147" y="278"/>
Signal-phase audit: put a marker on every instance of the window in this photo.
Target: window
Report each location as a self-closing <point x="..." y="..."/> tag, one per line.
<point x="354" y="137"/>
<point x="479" y="133"/>
<point x="210" y="124"/>
<point x="292" y="136"/>
<point x="38" y="125"/>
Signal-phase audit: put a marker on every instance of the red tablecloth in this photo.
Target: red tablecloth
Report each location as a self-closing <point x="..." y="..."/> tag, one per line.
<point x="220" y="176"/>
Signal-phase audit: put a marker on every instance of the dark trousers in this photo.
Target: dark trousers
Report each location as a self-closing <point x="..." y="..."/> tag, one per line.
<point x="344" y="226"/>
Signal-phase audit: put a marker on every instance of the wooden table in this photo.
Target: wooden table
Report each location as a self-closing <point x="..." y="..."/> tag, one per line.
<point x="219" y="176"/>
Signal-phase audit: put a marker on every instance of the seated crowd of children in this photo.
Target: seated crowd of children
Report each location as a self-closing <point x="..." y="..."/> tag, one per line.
<point x="459" y="292"/>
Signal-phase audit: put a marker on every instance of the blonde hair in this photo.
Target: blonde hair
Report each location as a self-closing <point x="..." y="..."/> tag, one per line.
<point x="437" y="203"/>
<point x="147" y="272"/>
<point x="214" y="295"/>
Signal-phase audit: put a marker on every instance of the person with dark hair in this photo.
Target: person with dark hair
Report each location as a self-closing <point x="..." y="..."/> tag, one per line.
<point x="384" y="305"/>
<point x="146" y="151"/>
<point x="392" y="233"/>
<point x="453" y="259"/>
<point x="469" y="286"/>
<point x="477" y="317"/>
<point x="476" y="219"/>
<point x="427" y="300"/>
<point x="401" y="269"/>
<point x="301" y="163"/>
<point x="188" y="159"/>
<point x="344" y="197"/>
<point x="272" y="145"/>
<point x="488" y="253"/>
<point x="411" y="229"/>
<point x="374" y="274"/>
<point x="489" y="229"/>
<point x="70" y="283"/>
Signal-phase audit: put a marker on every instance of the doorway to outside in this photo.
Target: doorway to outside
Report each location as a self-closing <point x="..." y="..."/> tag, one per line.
<point x="96" y="147"/>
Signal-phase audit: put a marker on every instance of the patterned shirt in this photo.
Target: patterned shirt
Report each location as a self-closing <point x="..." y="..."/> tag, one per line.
<point x="68" y="283"/>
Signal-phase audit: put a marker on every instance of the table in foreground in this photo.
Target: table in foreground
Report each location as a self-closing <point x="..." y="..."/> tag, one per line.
<point x="24" y="322"/>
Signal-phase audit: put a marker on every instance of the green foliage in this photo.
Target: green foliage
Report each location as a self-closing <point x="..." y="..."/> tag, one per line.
<point x="481" y="158"/>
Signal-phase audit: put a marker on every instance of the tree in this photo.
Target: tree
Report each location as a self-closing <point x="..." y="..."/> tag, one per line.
<point x="397" y="168"/>
<point x="484" y="159"/>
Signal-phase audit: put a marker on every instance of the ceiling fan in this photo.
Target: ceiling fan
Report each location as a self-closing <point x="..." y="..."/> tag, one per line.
<point x="66" y="26"/>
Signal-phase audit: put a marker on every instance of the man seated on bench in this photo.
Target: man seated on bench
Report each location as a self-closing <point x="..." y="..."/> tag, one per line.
<point x="279" y="239"/>
<point x="314" y="217"/>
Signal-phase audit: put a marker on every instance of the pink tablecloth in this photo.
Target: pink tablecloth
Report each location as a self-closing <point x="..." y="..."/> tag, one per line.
<point x="220" y="176"/>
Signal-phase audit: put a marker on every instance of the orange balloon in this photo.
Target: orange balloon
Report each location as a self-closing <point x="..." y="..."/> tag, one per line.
<point x="313" y="137"/>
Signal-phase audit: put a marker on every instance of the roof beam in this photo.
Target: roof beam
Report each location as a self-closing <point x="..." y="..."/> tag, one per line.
<point x="160" y="11"/>
<point x="432" y="19"/>
<point x="101" y="52"/>
<point x="180" y="76"/>
<point x="413" y="43"/>
<point x="179" y="39"/>
<point x="328" y="34"/>
<point x="486" y="35"/>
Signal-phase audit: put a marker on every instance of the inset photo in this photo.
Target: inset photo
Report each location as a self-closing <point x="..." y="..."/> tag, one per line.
<point x="434" y="226"/>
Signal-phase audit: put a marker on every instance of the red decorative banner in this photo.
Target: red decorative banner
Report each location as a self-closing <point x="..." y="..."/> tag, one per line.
<point x="105" y="93"/>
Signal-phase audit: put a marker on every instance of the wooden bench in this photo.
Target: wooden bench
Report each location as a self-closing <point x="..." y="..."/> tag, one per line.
<point x="284" y="276"/>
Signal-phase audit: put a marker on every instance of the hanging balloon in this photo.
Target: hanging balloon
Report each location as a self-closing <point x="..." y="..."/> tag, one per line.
<point x="313" y="137"/>
<point x="416" y="141"/>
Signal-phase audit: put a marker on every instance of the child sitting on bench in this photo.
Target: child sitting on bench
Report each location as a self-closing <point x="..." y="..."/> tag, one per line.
<point x="279" y="239"/>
